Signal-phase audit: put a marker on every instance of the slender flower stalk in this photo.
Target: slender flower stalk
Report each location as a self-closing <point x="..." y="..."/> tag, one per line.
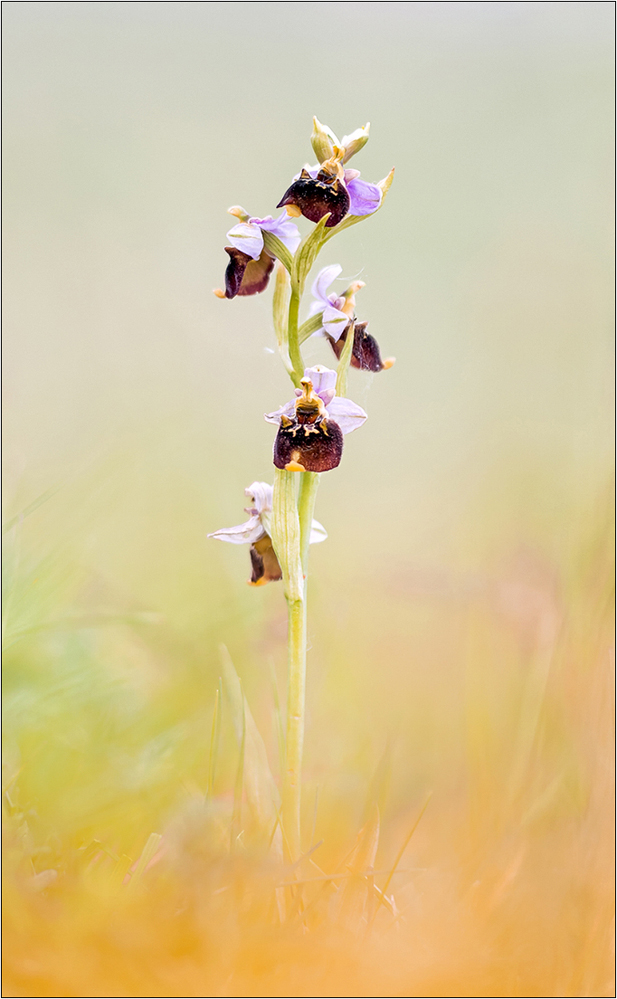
<point x="295" y="355"/>
<point x="292" y="778"/>
<point x="312" y="426"/>
<point x="287" y="540"/>
<point x="297" y="544"/>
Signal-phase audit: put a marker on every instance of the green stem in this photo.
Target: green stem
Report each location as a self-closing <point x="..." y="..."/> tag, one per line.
<point x="295" y="354"/>
<point x="292" y="516"/>
<point x="292" y="791"/>
<point x="292" y="786"/>
<point x="286" y="539"/>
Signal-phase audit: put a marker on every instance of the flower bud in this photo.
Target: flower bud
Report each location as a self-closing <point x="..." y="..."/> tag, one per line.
<point x="354" y="143"/>
<point x="323" y="141"/>
<point x="239" y="213"/>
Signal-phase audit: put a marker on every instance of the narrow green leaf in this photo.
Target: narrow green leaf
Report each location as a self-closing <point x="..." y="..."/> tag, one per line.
<point x="258" y="784"/>
<point x="277" y="249"/>
<point x="307" y="252"/>
<point x="310" y="326"/>
<point x="343" y="364"/>
<point x="280" y="305"/>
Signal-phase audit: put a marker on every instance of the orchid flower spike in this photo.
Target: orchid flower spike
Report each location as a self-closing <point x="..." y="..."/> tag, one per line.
<point x="256" y="533"/>
<point x="312" y="426"/>
<point x="338" y="311"/>
<point x="328" y="188"/>
<point x="250" y="264"/>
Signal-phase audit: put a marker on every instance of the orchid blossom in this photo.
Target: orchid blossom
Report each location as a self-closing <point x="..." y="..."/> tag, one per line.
<point x="256" y="533"/>
<point x="338" y="315"/>
<point x="312" y="426"/>
<point x="328" y="188"/>
<point x="250" y="264"/>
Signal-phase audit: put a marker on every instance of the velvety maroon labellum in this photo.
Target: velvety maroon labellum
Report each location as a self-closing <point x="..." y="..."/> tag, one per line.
<point x="316" y="446"/>
<point x="365" y="352"/>
<point x="318" y="197"/>
<point x="245" y="276"/>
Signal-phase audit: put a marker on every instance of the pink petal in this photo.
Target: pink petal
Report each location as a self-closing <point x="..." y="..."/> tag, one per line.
<point x="243" y="534"/>
<point x="364" y="198"/>
<point x="247" y="238"/>
<point x="323" y="281"/>
<point x="346" y="413"/>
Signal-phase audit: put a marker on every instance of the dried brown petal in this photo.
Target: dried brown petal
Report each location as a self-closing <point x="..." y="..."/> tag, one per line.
<point x="264" y="562"/>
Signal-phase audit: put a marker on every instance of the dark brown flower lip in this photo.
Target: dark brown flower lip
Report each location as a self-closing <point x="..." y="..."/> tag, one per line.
<point x="319" y="196"/>
<point x="264" y="563"/>
<point x="308" y="447"/>
<point x="365" y="353"/>
<point x="245" y="276"/>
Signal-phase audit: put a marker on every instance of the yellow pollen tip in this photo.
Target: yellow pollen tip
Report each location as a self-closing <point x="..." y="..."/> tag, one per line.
<point x="260" y="582"/>
<point x="219" y="293"/>
<point x="389" y="361"/>
<point x="294" y="466"/>
<point x="294" y="211"/>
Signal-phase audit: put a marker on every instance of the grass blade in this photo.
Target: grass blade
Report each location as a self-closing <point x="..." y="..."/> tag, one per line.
<point x="258" y="784"/>
<point x="147" y="854"/>
<point x="401" y="852"/>
<point x="214" y="740"/>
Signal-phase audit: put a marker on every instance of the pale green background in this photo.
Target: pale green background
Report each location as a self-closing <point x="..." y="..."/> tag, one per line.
<point x="129" y="130"/>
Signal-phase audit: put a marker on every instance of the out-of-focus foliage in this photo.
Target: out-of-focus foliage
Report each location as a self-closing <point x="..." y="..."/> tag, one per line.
<point x="460" y="629"/>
